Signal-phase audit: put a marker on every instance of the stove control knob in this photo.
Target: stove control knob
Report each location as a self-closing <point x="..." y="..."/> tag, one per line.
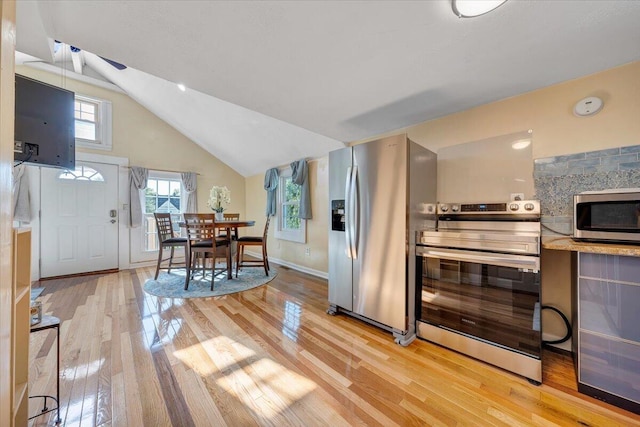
<point x="529" y="206"/>
<point x="444" y="208"/>
<point x="514" y="206"/>
<point x="455" y="208"/>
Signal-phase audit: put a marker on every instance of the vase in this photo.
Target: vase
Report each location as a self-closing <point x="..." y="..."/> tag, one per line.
<point x="219" y="216"/>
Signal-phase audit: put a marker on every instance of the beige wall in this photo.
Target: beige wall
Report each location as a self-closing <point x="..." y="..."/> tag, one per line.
<point x="549" y="113"/>
<point x="148" y="141"/>
<point x="317" y="240"/>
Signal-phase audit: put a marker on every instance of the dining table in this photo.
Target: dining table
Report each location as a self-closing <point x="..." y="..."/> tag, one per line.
<point x="230" y="225"/>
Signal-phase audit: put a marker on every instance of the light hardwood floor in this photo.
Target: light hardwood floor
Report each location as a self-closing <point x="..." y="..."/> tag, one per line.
<point x="272" y="357"/>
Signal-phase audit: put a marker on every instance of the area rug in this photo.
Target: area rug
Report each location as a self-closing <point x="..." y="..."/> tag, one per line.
<point x="35" y="293"/>
<point x="172" y="285"/>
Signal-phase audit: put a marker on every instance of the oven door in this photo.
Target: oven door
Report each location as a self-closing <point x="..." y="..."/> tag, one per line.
<point x="488" y="296"/>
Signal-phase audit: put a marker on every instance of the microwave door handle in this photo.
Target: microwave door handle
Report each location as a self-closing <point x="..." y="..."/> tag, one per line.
<point x="491" y="259"/>
<point x="347" y="212"/>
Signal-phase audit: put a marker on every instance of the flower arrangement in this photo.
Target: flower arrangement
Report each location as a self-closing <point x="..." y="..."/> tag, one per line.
<point x="217" y="197"/>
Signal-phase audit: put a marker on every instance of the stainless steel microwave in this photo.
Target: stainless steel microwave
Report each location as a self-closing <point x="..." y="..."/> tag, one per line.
<point x="611" y="215"/>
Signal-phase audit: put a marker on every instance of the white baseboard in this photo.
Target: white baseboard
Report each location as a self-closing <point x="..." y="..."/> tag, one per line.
<point x="303" y="269"/>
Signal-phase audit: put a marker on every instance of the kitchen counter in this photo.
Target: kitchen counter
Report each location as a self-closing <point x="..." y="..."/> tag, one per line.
<point x="568" y="244"/>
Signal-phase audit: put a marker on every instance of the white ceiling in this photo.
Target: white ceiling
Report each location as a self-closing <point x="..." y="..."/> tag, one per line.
<point x="332" y="71"/>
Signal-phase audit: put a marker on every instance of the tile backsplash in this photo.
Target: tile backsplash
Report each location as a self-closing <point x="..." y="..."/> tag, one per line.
<point x="558" y="178"/>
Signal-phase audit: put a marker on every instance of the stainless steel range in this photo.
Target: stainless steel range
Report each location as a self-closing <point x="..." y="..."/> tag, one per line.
<point x="478" y="283"/>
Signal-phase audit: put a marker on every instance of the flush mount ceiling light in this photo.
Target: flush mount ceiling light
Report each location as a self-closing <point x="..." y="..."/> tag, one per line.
<point x="471" y="8"/>
<point x="182" y="87"/>
<point x="520" y="144"/>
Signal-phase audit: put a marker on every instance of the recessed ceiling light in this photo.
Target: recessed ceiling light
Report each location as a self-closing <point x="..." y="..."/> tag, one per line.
<point x="471" y="8"/>
<point x="520" y="144"/>
<point x="182" y="87"/>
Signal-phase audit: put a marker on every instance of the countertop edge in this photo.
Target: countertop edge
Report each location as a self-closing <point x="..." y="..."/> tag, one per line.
<point x="568" y="244"/>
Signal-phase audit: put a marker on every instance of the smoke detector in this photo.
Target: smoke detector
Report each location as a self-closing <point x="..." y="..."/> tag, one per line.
<point x="588" y="106"/>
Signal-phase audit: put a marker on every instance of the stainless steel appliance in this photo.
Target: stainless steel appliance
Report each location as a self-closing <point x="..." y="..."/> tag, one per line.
<point x="380" y="193"/>
<point x="478" y="283"/>
<point x="610" y="215"/>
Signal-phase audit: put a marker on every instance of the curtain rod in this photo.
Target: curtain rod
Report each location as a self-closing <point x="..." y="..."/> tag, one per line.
<point x="308" y="159"/>
<point x="161" y="170"/>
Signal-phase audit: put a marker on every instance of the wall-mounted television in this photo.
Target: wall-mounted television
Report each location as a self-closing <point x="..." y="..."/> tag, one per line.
<point x="44" y="124"/>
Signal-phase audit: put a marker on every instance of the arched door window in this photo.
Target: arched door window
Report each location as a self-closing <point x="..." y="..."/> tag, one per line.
<point x="82" y="173"/>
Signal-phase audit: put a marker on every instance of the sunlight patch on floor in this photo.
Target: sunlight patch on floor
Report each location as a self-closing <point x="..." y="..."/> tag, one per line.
<point x="266" y="378"/>
<point x="262" y="384"/>
<point x="86" y="369"/>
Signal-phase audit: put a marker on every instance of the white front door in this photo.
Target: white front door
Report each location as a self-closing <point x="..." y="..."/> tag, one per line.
<point x="79" y="220"/>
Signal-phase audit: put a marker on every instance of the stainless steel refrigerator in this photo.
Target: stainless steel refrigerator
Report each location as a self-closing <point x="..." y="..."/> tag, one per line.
<point x="380" y="193"/>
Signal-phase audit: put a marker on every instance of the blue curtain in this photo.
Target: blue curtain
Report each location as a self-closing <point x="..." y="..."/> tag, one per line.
<point x="300" y="176"/>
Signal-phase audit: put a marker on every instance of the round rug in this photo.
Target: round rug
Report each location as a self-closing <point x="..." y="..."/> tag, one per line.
<point x="172" y="285"/>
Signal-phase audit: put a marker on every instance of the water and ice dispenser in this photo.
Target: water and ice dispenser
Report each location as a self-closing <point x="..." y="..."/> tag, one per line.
<point x="337" y="215"/>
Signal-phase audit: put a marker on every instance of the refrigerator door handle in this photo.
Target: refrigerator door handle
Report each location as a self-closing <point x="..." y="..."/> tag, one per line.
<point x="355" y="211"/>
<point x="347" y="192"/>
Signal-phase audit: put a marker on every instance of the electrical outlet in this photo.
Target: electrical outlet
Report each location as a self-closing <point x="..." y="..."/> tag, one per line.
<point x="307" y="251"/>
<point x="18" y="147"/>
<point x="517" y="196"/>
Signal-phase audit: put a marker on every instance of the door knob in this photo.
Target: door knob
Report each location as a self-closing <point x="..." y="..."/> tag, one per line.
<point x="113" y="221"/>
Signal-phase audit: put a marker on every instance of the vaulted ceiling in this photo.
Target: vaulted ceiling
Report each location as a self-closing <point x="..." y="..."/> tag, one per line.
<point x="272" y="81"/>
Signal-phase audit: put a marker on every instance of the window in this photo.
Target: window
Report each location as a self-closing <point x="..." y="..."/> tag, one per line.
<point x="92" y="122"/>
<point x="288" y="225"/>
<point x="163" y="195"/>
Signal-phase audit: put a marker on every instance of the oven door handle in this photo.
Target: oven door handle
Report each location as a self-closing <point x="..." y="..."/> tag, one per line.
<point x="503" y="260"/>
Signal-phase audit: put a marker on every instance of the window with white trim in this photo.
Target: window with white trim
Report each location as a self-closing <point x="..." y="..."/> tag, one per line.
<point x="288" y="225"/>
<point x="164" y="194"/>
<point x="92" y="122"/>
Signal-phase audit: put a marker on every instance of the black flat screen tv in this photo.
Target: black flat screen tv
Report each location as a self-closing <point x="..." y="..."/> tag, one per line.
<point x="44" y="124"/>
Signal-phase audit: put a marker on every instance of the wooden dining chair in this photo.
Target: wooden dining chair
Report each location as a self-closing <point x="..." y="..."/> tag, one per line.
<point x="253" y="241"/>
<point x="167" y="240"/>
<point x="202" y="243"/>
<point x="222" y="231"/>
